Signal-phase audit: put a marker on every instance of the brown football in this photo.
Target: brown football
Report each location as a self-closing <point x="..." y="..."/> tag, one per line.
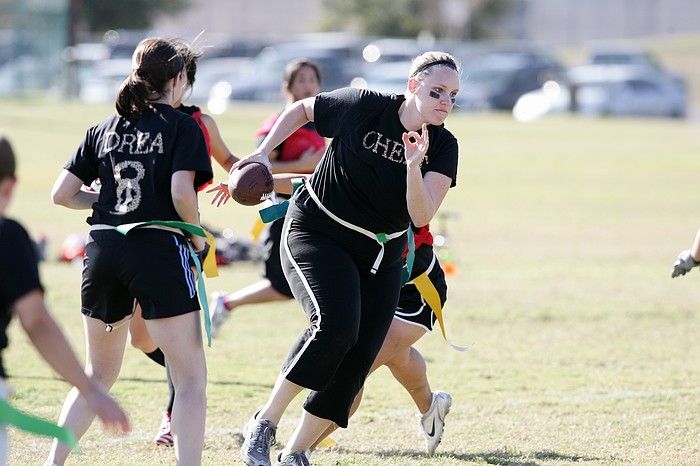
<point x="250" y="184"/>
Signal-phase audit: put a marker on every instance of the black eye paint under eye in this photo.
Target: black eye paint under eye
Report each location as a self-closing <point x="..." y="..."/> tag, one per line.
<point x="437" y="95"/>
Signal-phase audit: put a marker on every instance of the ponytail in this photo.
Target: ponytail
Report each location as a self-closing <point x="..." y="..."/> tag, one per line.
<point x="155" y="62"/>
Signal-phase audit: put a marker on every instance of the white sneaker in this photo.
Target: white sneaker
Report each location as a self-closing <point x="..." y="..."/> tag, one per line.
<point x="217" y="312"/>
<point x="432" y="423"/>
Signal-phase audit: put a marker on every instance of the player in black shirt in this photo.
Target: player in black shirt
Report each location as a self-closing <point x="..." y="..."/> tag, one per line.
<point x="150" y="159"/>
<point x="138" y="334"/>
<point x="391" y="162"/>
<point x="21" y="293"/>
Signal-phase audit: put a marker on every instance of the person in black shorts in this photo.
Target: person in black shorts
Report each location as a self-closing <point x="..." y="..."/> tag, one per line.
<point x="21" y="293"/>
<point x="299" y="153"/>
<point x="150" y="159"/>
<point x="391" y="162"/>
<point x="138" y="334"/>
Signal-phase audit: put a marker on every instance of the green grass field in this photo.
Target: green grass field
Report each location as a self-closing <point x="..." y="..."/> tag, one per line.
<point x="583" y="350"/>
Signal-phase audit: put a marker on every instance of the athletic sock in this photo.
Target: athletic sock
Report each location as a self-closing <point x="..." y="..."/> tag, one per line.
<point x="157" y="356"/>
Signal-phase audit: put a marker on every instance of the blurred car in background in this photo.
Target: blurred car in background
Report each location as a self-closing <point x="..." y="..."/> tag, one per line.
<point x="613" y="56"/>
<point x="338" y="56"/>
<point x="212" y="71"/>
<point x="629" y="90"/>
<point x="606" y="90"/>
<point x="389" y="78"/>
<point x="623" y="56"/>
<point x="495" y="80"/>
<point x="101" y="82"/>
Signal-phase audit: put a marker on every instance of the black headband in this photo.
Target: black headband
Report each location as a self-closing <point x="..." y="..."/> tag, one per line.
<point x="448" y="63"/>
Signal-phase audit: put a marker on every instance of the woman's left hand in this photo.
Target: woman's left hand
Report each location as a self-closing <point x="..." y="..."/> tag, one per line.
<point x="222" y="195"/>
<point x="415" y="146"/>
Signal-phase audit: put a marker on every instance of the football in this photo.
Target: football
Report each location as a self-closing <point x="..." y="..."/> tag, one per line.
<point x="250" y="184"/>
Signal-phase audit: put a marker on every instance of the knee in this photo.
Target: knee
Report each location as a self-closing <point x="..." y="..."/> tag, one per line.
<point x="191" y="378"/>
<point x="192" y="386"/>
<point x="341" y="342"/>
<point x="398" y="359"/>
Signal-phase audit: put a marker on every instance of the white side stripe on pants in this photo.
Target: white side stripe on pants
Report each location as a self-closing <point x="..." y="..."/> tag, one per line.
<point x="317" y="310"/>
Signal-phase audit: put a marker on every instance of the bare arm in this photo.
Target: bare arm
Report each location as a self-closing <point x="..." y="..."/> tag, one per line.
<point x="283" y="181"/>
<point x="423" y="194"/>
<point x="185" y="202"/>
<point x="219" y="151"/>
<point x="304" y="164"/>
<point x="67" y="192"/>
<point x="54" y="348"/>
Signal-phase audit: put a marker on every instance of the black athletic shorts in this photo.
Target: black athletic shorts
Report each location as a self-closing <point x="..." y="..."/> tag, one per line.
<point x="271" y="254"/>
<point x="150" y="265"/>
<point x="412" y="307"/>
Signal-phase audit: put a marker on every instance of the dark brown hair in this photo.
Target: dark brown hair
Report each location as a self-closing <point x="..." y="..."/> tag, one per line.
<point x="190" y="56"/>
<point x="7" y="159"/>
<point x="155" y="62"/>
<point x="293" y="67"/>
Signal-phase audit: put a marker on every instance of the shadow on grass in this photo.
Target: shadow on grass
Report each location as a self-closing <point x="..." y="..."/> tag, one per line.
<point x="503" y="457"/>
<point x="152" y="380"/>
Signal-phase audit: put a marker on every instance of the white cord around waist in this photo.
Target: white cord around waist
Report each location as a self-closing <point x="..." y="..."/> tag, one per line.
<point x="102" y="226"/>
<point x="361" y="230"/>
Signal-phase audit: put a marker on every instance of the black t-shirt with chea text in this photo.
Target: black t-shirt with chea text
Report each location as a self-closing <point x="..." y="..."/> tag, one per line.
<point x="134" y="159"/>
<point x="19" y="273"/>
<point x="362" y="176"/>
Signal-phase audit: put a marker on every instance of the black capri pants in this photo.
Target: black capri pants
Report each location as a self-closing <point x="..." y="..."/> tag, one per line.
<point x="350" y="310"/>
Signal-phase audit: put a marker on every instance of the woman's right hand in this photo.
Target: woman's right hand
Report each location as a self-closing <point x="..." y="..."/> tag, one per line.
<point x="257" y="157"/>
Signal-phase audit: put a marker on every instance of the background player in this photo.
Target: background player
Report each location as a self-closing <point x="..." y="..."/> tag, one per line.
<point x="299" y="153"/>
<point x="21" y="293"/>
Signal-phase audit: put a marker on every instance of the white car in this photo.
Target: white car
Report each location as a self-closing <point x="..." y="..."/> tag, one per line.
<point x="605" y="90"/>
<point x="625" y="90"/>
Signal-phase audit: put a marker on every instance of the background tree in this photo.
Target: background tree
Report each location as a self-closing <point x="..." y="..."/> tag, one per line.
<point x="102" y="15"/>
<point x="407" y="18"/>
<point x="484" y="18"/>
<point x="396" y="18"/>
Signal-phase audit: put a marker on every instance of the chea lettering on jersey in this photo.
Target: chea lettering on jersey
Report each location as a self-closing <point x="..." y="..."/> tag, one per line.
<point x="387" y="148"/>
<point x="129" y="143"/>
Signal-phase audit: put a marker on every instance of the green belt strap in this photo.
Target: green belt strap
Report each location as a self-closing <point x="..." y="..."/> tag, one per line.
<point x="410" y="257"/>
<point x="35" y="425"/>
<point x="194" y="230"/>
<point x="275" y="211"/>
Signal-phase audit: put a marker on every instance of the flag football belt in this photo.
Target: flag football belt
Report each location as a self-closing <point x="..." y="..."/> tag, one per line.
<point x="209" y="267"/>
<point x="32" y="424"/>
<point x="276" y="211"/>
<point x="430" y="294"/>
